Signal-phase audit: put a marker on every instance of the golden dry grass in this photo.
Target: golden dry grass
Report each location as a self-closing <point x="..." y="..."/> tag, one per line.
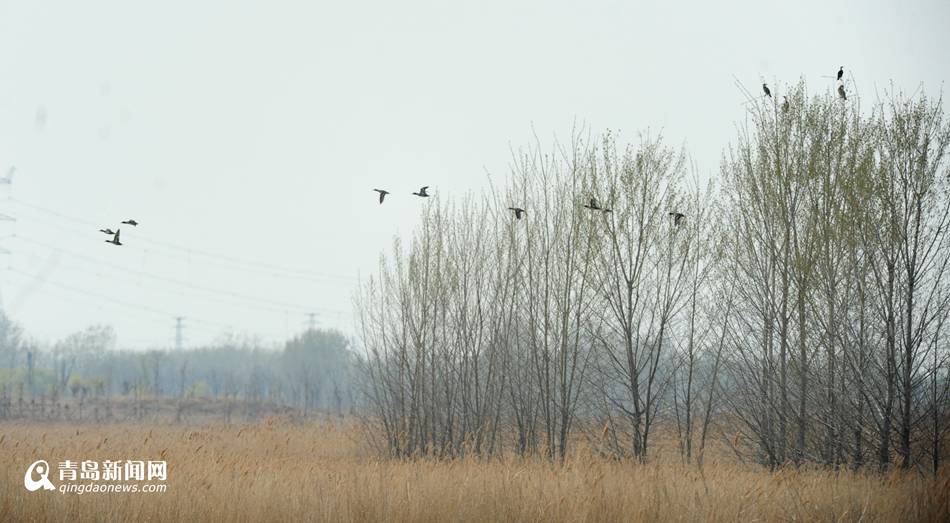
<point x="279" y="471"/>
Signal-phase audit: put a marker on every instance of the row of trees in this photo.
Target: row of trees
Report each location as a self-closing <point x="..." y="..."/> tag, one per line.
<point x="311" y="373"/>
<point x="797" y="310"/>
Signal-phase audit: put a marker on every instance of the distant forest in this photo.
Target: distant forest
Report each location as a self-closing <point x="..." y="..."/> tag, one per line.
<point x="85" y="377"/>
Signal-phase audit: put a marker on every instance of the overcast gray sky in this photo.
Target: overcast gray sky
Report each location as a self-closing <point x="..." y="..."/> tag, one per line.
<point x="246" y="136"/>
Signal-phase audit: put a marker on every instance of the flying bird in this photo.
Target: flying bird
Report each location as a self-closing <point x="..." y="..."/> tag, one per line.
<point x="766" y="89"/>
<point x="518" y="211"/>
<point x="594" y="207"/>
<point x="131" y="222"/>
<point x="784" y="104"/>
<point x="841" y="92"/>
<point x="115" y="239"/>
<point x="110" y="232"/>
<point x="422" y="192"/>
<point x="677" y="217"/>
<point x="840" y="72"/>
<point x="382" y="195"/>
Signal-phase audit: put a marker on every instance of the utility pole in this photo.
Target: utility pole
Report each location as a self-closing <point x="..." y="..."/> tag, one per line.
<point x="178" y="333"/>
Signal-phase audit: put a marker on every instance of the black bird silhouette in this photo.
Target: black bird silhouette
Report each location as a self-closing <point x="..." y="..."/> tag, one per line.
<point x="766" y="89"/>
<point x="518" y="211"/>
<point x="115" y="239"/>
<point x="841" y="92"/>
<point x="107" y="231"/>
<point x="594" y="207"/>
<point x="382" y="194"/>
<point x="784" y="104"/>
<point x="840" y="72"/>
<point x="677" y="217"/>
<point x="422" y="192"/>
<point x="131" y="222"/>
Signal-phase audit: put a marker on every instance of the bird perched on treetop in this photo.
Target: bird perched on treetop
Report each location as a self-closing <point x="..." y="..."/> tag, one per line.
<point x="841" y="92"/>
<point x="840" y="72"/>
<point x="784" y="104"/>
<point x="766" y="89"/>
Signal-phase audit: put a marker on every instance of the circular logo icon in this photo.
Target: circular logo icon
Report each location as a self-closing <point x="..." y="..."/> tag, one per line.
<point x="41" y="468"/>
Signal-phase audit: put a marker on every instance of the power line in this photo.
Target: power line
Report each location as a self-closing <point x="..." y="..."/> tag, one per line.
<point x="181" y="247"/>
<point x="144" y="313"/>
<point x="187" y="258"/>
<point x="98" y="303"/>
<point x="272" y="305"/>
<point x="249" y="265"/>
<point x="111" y="299"/>
<point x="141" y="315"/>
<point x="230" y="263"/>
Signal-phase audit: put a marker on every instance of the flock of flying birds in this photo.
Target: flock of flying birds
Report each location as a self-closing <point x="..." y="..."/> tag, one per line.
<point x="678" y="217"/>
<point x="422" y="193"/>
<point x="841" y="92"/>
<point x="115" y="233"/>
<point x="520" y="212"/>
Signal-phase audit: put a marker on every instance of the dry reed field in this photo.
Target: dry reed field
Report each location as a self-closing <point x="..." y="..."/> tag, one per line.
<point x="283" y="471"/>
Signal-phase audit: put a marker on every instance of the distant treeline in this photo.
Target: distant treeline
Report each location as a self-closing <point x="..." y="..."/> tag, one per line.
<point x="311" y="373"/>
